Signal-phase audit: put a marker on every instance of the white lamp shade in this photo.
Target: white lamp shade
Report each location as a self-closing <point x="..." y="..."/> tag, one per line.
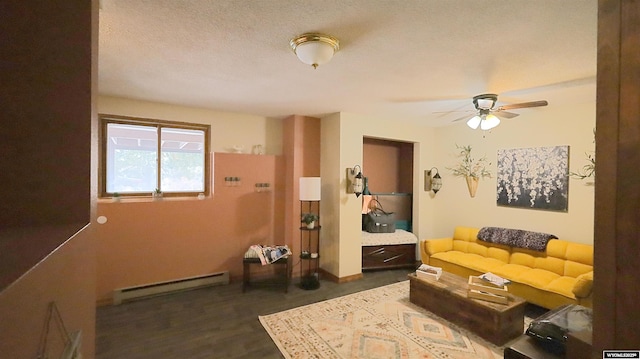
<point x="474" y="122"/>
<point x="489" y="122"/>
<point x="314" y="52"/>
<point x="310" y="188"/>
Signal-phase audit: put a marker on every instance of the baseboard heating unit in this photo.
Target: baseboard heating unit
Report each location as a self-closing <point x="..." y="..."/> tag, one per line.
<point x="136" y="292"/>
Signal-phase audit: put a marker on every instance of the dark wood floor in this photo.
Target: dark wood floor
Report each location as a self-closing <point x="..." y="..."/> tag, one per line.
<point x="213" y="322"/>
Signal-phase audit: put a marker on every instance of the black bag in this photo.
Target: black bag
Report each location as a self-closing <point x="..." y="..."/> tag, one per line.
<point x="378" y="220"/>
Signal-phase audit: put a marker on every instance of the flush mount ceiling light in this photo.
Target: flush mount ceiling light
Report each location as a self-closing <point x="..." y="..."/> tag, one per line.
<point x="314" y="49"/>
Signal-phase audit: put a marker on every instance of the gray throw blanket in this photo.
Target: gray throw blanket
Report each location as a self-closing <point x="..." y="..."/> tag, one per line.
<point x="516" y="237"/>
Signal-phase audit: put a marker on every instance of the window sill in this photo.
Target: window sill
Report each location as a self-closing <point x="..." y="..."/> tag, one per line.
<point x="151" y="199"/>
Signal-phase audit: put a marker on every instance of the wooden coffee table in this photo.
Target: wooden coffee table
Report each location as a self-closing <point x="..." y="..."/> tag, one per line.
<point x="447" y="298"/>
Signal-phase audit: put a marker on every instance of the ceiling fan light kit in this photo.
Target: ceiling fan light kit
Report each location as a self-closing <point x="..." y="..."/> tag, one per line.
<point x="485" y="101"/>
<point x="487" y="117"/>
<point x="474" y="122"/>
<point x="484" y="121"/>
<point x="490" y="121"/>
<point x="314" y="49"/>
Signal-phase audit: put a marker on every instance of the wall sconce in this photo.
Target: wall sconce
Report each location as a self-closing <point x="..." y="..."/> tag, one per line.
<point x="432" y="181"/>
<point x="354" y="180"/>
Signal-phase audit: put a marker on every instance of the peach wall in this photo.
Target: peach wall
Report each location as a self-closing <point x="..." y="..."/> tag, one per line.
<point x="297" y="138"/>
<point x="388" y="165"/>
<point x="405" y="170"/>
<point x="301" y="144"/>
<point x="66" y="277"/>
<point x="147" y="241"/>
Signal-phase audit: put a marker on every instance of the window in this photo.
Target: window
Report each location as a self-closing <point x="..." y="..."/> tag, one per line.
<point x="140" y="155"/>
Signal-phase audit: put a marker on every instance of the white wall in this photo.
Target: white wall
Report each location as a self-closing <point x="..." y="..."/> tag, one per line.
<point x="342" y="139"/>
<point x="332" y="202"/>
<point x="227" y="129"/>
<point x="547" y="126"/>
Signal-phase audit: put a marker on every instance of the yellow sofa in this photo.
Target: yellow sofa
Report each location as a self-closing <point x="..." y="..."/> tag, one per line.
<point x="563" y="274"/>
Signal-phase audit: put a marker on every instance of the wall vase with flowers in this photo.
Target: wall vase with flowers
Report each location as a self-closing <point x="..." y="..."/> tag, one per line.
<point x="471" y="169"/>
<point x="472" y="185"/>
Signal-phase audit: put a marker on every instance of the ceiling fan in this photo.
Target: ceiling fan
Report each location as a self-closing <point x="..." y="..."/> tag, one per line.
<point x="488" y="115"/>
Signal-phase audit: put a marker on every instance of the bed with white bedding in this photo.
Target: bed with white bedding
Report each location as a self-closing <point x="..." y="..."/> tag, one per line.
<point x="391" y="250"/>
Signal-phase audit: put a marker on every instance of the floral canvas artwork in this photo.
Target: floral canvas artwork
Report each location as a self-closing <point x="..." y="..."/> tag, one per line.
<point x="535" y="178"/>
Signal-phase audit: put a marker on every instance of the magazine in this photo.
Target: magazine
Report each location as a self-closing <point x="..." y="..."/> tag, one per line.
<point x="494" y="279"/>
<point x="270" y="254"/>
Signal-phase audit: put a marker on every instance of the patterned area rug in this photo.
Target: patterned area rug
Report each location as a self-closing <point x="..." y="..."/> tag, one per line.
<point x="377" y="323"/>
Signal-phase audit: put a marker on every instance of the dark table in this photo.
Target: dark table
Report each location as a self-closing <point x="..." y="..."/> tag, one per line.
<point x="246" y="271"/>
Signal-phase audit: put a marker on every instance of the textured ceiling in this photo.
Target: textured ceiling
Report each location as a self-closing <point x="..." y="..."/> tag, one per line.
<point x="410" y="59"/>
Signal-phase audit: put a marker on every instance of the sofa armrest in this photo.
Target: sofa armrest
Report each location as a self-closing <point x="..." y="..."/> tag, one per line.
<point x="584" y="285"/>
<point x="429" y="247"/>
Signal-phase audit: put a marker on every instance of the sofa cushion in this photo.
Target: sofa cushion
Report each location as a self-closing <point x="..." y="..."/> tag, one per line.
<point x="478" y="249"/>
<point x="439" y="245"/>
<point x="460" y="246"/>
<point x="485" y="264"/>
<point x="536" y="277"/>
<point x="499" y="252"/>
<point x="469" y="260"/>
<point x="510" y="271"/>
<point x="557" y="248"/>
<point x="467" y="234"/>
<point x="551" y="264"/>
<point x="574" y="269"/>
<point x="523" y="259"/>
<point x="562" y="285"/>
<point x="581" y="253"/>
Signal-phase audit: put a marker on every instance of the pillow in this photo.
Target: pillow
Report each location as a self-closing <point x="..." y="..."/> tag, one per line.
<point x="438" y="245"/>
<point x="584" y="285"/>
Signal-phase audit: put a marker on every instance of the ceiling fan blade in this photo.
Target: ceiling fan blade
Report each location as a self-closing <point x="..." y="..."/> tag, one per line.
<point x="465" y="117"/>
<point x="504" y="114"/>
<point x="523" y="105"/>
<point x="452" y="111"/>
